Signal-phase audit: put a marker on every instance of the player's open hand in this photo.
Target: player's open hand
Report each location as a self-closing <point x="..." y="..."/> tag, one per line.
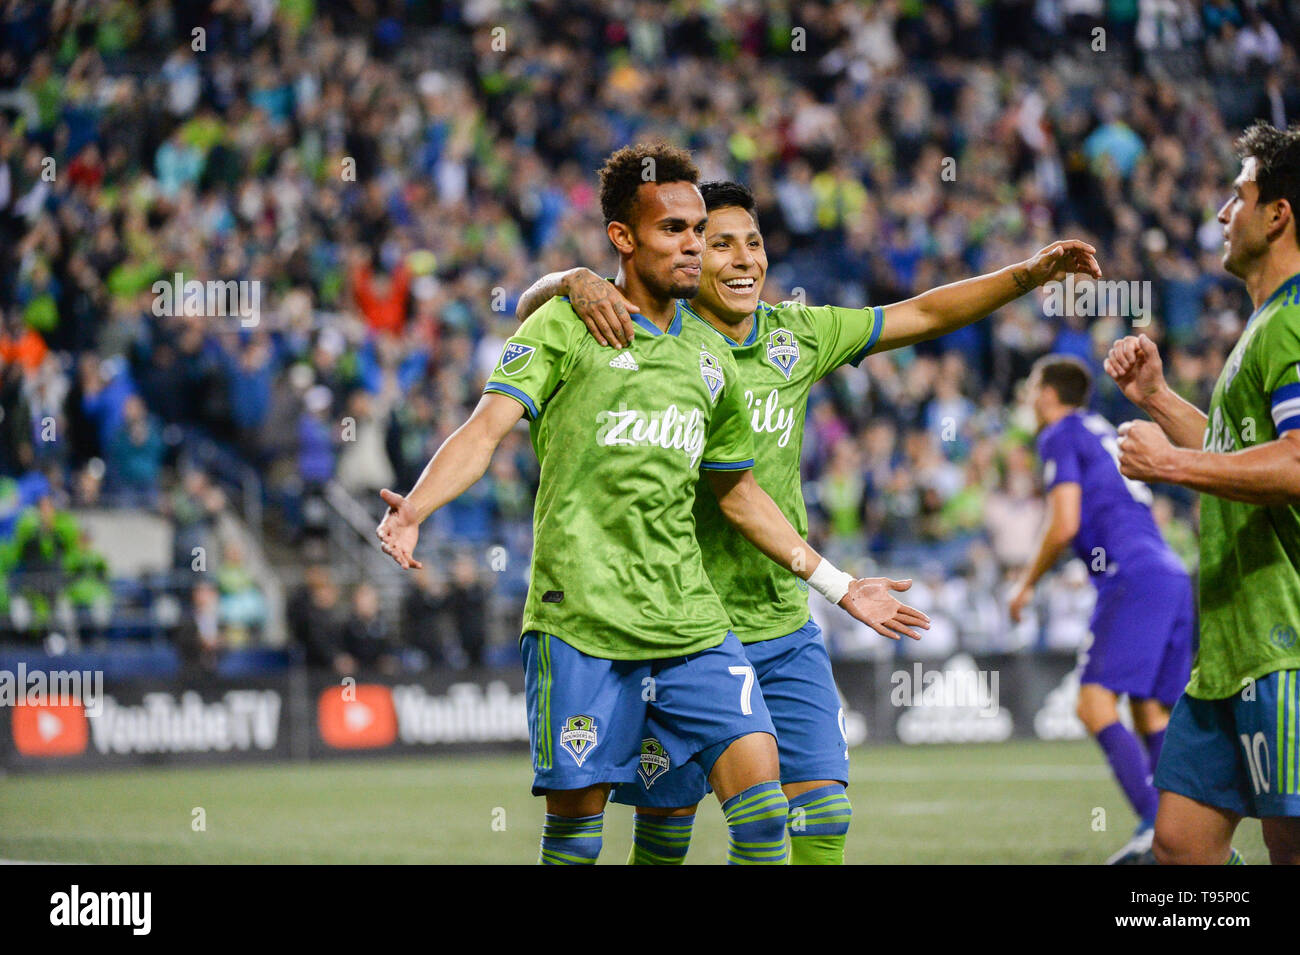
<point x="602" y="308"/>
<point x="1134" y="363"/>
<point x="1145" y="454"/>
<point x="871" y="600"/>
<point x="1069" y="256"/>
<point x="399" y="531"/>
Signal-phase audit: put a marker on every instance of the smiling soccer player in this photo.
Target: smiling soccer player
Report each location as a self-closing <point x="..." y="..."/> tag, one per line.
<point x="781" y="351"/>
<point x="622" y="628"/>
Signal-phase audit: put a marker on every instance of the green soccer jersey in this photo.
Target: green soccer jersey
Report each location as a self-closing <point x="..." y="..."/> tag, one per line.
<point x="1250" y="554"/>
<point x="790" y="347"/>
<point x="622" y="437"/>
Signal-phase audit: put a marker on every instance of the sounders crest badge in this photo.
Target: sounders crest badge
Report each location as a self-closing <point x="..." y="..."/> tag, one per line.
<point x="579" y="737"/>
<point x="783" y="351"/>
<point x="654" y="761"/>
<point x="711" y="372"/>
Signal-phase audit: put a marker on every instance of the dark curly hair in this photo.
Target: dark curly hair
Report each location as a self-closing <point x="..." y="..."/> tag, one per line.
<point x="625" y="170"/>
<point x="1277" y="163"/>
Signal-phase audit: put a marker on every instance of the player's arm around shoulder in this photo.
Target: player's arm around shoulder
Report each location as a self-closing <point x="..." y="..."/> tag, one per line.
<point x="595" y="300"/>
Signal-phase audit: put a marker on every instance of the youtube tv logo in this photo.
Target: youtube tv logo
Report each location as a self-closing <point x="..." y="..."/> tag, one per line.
<point x="50" y="729"/>
<point x="359" y="716"/>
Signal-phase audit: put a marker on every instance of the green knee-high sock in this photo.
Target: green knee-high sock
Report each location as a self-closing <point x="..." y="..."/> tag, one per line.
<point x="819" y="825"/>
<point x="1235" y="858"/>
<point x="660" y="840"/>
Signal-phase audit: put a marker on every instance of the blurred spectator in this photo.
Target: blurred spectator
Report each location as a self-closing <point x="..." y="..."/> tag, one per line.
<point x="467" y="600"/>
<point x="242" y="604"/>
<point x="134" y="455"/>
<point x="381" y="298"/>
<point x="423" y="614"/>
<point x="1014" y="511"/>
<point x="201" y="639"/>
<point x="365" y="636"/>
<point x="194" y="506"/>
<point x="363" y="465"/>
<point x="316" y="619"/>
<point x="48" y="562"/>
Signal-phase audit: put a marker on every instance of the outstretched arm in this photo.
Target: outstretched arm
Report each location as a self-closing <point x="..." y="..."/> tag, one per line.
<point x="1064" y="504"/>
<point x="599" y="304"/>
<point x="453" y="469"/>
<point x="752" y="512"/>
<point x="950" y="307"/>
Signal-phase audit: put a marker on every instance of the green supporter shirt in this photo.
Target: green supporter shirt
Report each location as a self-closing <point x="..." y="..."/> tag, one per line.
<point x="622" y="437"/>
<point x="1250" y="554"/>
<point x="790" y="347"/>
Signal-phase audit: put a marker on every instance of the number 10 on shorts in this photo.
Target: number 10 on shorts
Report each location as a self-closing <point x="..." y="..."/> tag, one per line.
<point x="1256" y="758"/>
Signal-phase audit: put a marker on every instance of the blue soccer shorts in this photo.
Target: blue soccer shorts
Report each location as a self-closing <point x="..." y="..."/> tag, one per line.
<point x="1241" y="753"/>
<point x="794" y="673"/>
<point x="588" y="716"/>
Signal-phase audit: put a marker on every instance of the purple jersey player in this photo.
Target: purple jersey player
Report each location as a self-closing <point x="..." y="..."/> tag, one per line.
<point x="1107" y="517"/>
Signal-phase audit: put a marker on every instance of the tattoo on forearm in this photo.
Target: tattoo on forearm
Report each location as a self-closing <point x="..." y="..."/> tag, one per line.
<point x="1021" y="277"/>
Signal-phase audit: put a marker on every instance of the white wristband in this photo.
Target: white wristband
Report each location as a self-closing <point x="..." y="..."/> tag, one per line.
<point x="829" y="581"/>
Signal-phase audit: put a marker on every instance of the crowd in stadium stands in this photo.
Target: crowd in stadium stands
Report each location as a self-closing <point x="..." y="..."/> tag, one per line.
<point x="443" y="621"/>
<point x="394" y="174"/>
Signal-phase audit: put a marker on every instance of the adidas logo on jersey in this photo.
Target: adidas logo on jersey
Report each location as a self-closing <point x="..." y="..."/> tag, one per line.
<point x="624" y="359"/>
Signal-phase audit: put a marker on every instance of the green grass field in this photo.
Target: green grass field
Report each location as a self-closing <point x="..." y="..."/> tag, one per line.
<point x="1021" y="802"/>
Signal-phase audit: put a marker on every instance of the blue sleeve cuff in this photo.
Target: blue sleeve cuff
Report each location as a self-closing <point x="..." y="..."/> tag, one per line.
<point x="726" y="465"/>
<point x="515" y="393"/>
<point x="1285" y="393"/>
<point x="877" y="326"/>
<point x="1285" y="409"/>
